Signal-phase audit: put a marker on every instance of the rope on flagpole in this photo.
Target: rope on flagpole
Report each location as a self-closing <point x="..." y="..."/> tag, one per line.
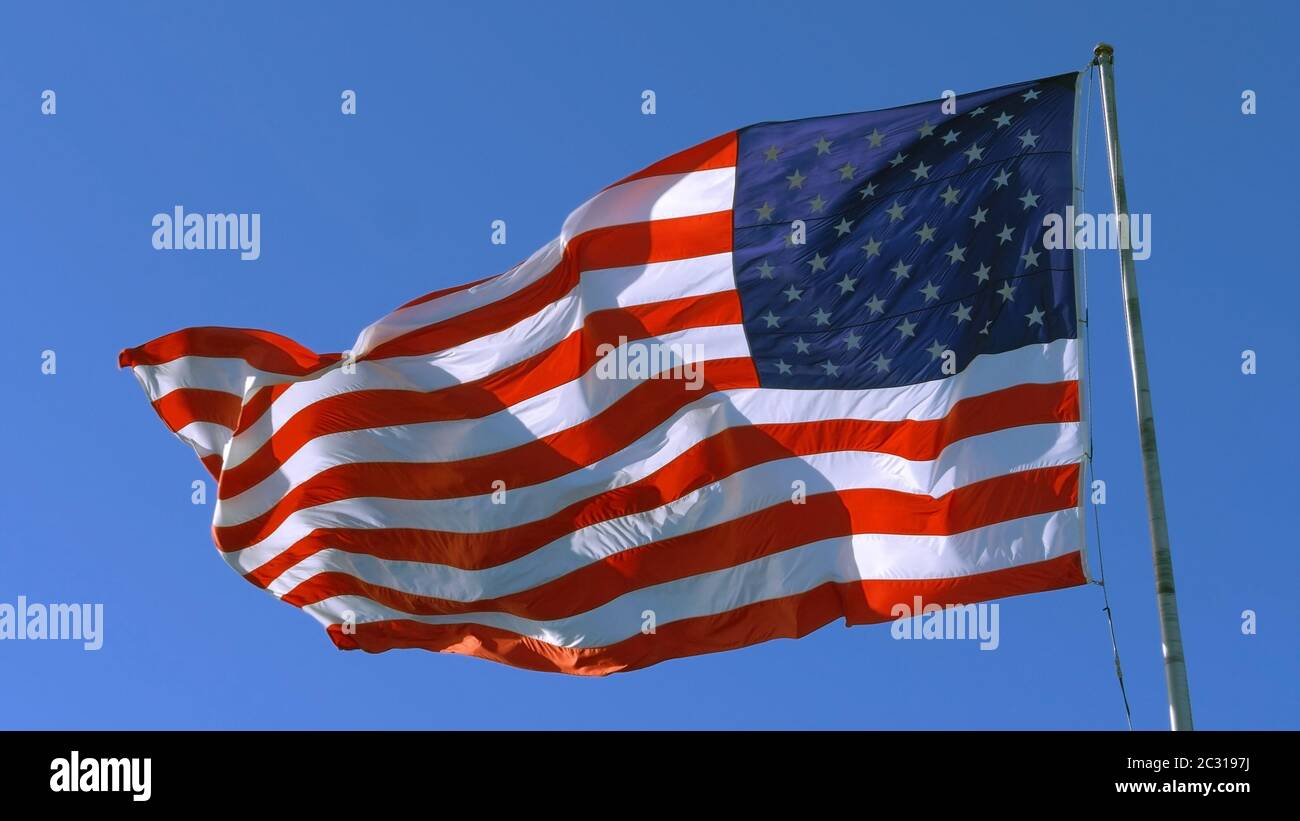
<point x="1096" y="513"/>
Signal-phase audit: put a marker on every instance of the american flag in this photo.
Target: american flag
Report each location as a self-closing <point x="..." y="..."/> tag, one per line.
<point x="889" y="406"/>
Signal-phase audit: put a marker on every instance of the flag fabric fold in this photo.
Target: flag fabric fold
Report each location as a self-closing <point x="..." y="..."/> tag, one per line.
<point x="804" y="371"/>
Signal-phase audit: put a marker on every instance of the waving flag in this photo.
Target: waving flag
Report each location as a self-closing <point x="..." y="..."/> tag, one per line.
<point x="804" y="371"/>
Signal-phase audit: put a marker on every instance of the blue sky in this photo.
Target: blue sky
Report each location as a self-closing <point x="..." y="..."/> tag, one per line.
<point x="519" y="112"/>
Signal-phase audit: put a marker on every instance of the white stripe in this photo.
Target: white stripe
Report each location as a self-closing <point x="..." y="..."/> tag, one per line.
<point x="788" y="573"/>
<point x="740" y="494"/>
<point x="576" y="402"/>
<point x="210" y="373"/>
<point x="207" y="438"/>
<point x="485" y="355"/>
<point x="674" y="195"/>
<point x="667" y="196"/>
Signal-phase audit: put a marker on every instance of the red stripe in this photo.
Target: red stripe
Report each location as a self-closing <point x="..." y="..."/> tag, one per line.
<point x="263" y="350"/>
<point x="182" y="406"/>
<point x="719" y="152"/>
<point x="706" y="462"/>
<point x="864" y="602"/>
<point x="564" y="362"/>
<point x="625" y="421"/>
<point x="616" y="246"/>
<point x="728" y="544"/>
<point x="213" y="463"/>
<point x="445" y="291"/>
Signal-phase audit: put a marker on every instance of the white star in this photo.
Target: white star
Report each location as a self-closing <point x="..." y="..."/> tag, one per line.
<point x="844" y="227"/>
<point x="951" y="137"/>
<point x="771" y="153"/>
<point x="1029" y="139"/>
<point x="876" y="304"/>
<point x="975" y="112"/>
<point x="985" y="329"/>
<point x="925" y="232"/>
<point x="872" y="247"/>
<point x="796" y="179"/>
<point x="764" y="212"/>
<point x="974" y="153"/>
<point x="852" y="341"/>
<point x="1007" y="290"/>
<point x="900" y="270"/>
<point x="831" y="368"/>
<point x="792" y="293"/>
<point x="1030" y="199"/>
<point x="1035" y="317"/>
<point x="772" y="320"/>
<point x="982" y="273"/>
<point x="895" y="211"/>
<point x="781" y="367"/>
<point x="979" y="216"/>
<point x="898" y="159"/>
<point x="931" y="292"/>
<point x="881" y="363"/>
<point x="1031" y="258"/>
<point x="926" y="129"/>
<point x="962" y="313"/>
<point x="875" y="137"/>
<point x="949" y="196"/>
<point x="935" y="350"/>
<point x="1002" y="179"/>
<point x="846" y="171"/>
<point x="1031" y="94"/>
<point x="869" y="190"/>
<point x="921" y="171"/>
<point x="822" y="317"/>
<point x="956" y="254"/>
<point x="907" y="327"/>
<point x="817" y="203"/>
<point x="818" y="263"/>
<point x="1005" y="234"/>
<point x="823" y="146"/>
<point x="847" y="284"/>
<point x="1002" y="119"/>
<point x="800" y="346"/>
<point x="765" y="270"/>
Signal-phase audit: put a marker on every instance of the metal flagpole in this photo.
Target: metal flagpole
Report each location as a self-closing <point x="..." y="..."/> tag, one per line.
<point x="1180" y="703"/>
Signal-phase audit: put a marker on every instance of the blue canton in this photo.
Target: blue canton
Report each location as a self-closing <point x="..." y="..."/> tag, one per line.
<point x="923" y="234"/>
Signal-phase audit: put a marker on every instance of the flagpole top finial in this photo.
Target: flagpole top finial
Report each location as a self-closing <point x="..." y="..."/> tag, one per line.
<point x="1103" y="51"/>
